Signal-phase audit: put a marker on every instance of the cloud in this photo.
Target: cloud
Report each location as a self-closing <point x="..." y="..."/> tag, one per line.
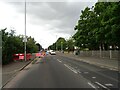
<point x="60" y="15"/>
<point x="51" y="18"/>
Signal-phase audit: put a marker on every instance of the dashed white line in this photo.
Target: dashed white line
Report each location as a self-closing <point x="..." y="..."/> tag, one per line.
<point x="101" y="85"/>
<point x="93" y="77"/>
<point x="109" y="84"/>
<point x="91" y="85"/>
<point x="86" y="72"/>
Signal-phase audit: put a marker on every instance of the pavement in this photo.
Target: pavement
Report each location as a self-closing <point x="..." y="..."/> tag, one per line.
<point x="103" y="62"/>
<point x="11" y="69"/>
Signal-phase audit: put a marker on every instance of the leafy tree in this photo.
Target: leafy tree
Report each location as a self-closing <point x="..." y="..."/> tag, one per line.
<point x="57" y="45"/>
<point x="39" y="46"/>
<point x="12" y="44"/>
<point x="99" y="26"/>
<point x="61" y="43"/>
<point x="70" y="44"/>
<point x="52" y="47"/>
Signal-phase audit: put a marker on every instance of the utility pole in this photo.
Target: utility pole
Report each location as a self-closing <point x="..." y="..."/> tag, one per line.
<point x="25" y="34"/>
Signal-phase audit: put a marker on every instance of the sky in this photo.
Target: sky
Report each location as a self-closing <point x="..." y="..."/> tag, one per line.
<point x="45" y="21"/>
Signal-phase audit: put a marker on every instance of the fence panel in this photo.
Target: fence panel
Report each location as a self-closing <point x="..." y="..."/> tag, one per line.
<point x="100" y="54"/>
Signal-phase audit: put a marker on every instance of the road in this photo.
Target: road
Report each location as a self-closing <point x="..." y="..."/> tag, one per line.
<point x="54" y="71"/>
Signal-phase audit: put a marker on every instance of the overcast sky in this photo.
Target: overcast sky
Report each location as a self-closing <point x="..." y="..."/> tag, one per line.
<point x="46" y="21"/>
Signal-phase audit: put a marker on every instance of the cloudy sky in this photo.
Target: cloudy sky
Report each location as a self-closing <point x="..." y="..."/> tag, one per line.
<point x="46" y="21"/>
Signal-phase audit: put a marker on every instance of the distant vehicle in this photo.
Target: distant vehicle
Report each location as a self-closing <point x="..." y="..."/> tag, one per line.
<point x="52" y="52"/>
<point x="47" y="53"/>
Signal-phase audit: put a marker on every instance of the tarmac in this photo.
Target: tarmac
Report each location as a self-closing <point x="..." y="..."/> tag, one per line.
<point x="10" y="70"/>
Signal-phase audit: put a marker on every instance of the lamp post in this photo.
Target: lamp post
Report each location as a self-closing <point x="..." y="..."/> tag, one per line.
<point x="61" y="46"/>
<point x="25" y="34"/>
<point x="110" y="52"/>
<point x="56" y="43"/>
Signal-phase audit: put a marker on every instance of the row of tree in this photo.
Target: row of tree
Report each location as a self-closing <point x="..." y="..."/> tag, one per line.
<point x="97" y="28"/>
<point x="12" y="44"/>
<point x="62" y="44"/>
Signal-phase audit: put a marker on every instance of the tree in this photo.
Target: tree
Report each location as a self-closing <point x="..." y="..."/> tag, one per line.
<point x="31" y="45"/>
<point x="70" y="44"/>
<point x="61" y="43"/>
<point x="52" y="47"/>
<point x="57" y="45"/>
<point x="12" y="44"/>
<point x="39" y="46"/>
<point x="99" y="26"/>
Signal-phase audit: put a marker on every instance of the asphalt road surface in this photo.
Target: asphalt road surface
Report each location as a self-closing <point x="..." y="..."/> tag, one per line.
<point x="54" y="71"/>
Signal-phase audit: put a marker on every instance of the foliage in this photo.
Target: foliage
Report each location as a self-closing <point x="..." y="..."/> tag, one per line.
<point x="59" y="44"/>
<point x="39" y="46"/>
<point x="70" y="44"/>
<point x="12" y="44"/>
<point x="99" y="26"/>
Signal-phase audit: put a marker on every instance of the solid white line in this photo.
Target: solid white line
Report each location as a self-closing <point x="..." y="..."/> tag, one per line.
<point x="91" y="85"/>
<point x="59" y="60"/>
<point x="78" y="71"/>
<point x="72" y="69"/>
<point x="101" y="85"/>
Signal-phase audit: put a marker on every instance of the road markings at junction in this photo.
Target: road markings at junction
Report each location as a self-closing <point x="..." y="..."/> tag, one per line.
<point x="59" y="61"/>
<point x="91" y="85"/>
<point x="101" y="85"/>
<point x="72" y="69"/>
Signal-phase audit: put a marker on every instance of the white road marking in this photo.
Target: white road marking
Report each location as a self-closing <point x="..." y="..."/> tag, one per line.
<point x="109" y="84"/>
<point x="78" y="71"/>
<point x="102" y="66"/>
<point x="86" y="72"/>
<point x="101" y="85"/>
<point x="59" y="60"/>
<point x="110" y="69"/>
<point x="94" y="77"/>
<point x="72" y="69"/>
<point x="91" y="85"/>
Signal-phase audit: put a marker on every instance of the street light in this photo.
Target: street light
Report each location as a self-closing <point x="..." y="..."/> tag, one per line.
<point x="61" y="46"/>
<point x="56" y="43"/>
<point x="25" y="33"/>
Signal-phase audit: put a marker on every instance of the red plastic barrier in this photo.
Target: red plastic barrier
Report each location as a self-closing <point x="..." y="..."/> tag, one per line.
<point x="28" y="56"/>
<point x="20" y="56"/>
<point x="39" y="55"/>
